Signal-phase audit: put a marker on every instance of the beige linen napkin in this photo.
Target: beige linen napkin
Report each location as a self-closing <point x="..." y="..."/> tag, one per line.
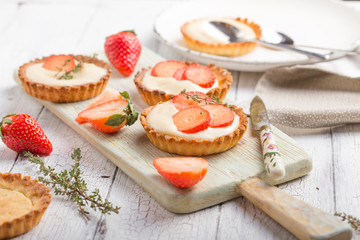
<point x="313" y="96"/>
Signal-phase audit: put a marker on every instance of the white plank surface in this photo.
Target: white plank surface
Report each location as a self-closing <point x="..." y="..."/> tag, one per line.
<point x="32" y="29"/>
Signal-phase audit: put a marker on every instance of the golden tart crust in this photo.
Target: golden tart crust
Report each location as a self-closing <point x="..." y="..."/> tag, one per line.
<point x="63" y="94"/>
<point x="229" y="49"/>
<point x="36" y="192"/>
<point x="153" y="97"/>
<point x="194" y="147"/>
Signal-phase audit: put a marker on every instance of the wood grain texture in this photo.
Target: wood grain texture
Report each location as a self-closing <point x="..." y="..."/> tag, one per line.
<point x="303" y="220"/>
<point x="226" y="169"/>
<point x="330" y="186"/>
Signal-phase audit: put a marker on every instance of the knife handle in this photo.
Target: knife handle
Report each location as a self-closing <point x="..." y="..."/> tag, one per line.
<point x="301" y="219"/>
<point x="274" y="165"/>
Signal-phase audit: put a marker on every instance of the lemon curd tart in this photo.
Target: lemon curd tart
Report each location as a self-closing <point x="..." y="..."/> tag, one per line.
<point x="64" y="78"/>
<point x="161" y="85"/>
<point x="200" y="35"/>
<point x="22" y="204"/>
<point x="170" y="132"/>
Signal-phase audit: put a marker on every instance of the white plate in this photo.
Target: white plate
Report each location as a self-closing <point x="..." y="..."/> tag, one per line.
<point x="309" y="22"/>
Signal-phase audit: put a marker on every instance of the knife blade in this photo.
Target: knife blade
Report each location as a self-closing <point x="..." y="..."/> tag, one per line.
<point x="274" y="165"/>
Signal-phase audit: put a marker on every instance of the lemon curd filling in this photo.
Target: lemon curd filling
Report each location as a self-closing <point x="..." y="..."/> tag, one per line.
<point x="172" y="86"/>
<point x="13" y="204"/>
<point x="160" y="119"/>
<point x="203" y="31"/>
<point x="88" y="74"/>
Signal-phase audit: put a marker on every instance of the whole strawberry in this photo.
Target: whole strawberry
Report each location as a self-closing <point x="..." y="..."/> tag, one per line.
<point x="21" y="132"/>
<point x="123" y="50"/>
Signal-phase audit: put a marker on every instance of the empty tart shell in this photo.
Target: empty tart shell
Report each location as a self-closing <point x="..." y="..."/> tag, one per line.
<point x="194" y="147"/>
<point x="36" y="192"/>
<point x="222" y="49"/>
<point x="153" y="97"/>
<point x="63" y="94"/>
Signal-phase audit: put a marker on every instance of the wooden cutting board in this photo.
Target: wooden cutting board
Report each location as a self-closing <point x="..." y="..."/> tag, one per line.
<point x="133" y="153"/>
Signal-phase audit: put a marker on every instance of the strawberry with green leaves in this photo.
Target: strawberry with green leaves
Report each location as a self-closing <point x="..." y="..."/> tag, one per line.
<point x="123" y="51"/>
<point x="109" y="112"/>
<point x="21" y="132"/>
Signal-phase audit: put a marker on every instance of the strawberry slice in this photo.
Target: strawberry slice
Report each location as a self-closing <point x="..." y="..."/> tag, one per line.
<point x="192" y="119"/>
<point x="62" y="62"/>
<point x="108" y="95"/>
<point x="221" y="116"/>
<point x="182" y="172"/>
<point x="188" y="99"/>
<point x="100" y="114"/>
<point x="166" y="68"/>
<point x="200" y="75"/>
<point x="102" y="124"/>
<point x="180" y="74"/>
<point x="110" y="116"/>
<point x="104" y="110"/>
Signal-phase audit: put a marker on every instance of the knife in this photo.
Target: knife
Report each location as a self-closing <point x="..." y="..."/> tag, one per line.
<point x="274" y="165"/>
<point x="300" y="218"/>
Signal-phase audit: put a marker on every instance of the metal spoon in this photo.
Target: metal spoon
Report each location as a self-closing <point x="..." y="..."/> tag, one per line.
<point x="235" y="35"/>
<point x="271" y="35"/>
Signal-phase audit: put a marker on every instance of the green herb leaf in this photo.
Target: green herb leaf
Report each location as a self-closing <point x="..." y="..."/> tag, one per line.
<point x="115" y="120"/>
<point x="353" y="221"/>
<point x="132" y="118"/>
<point x="66" y="62"/>
<point x="132" y="115"/>
<point x="71" y="184"/>
<point x="69" y="75"/>
<point x="94" y="56"/>
<point x="6" y="120"/>
<point x="129" y="31"/>
<point x="125" y="95"/>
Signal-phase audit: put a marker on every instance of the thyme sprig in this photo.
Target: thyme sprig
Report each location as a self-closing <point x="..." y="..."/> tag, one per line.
<point x="208" y="100"/>
<point x="78" y="67"/>
<point x="353" y="221"/>
<point x="71" y="184"/>
<point x="69" y="74"/>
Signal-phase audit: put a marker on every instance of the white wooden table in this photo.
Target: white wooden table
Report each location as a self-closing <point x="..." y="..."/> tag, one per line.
<point x="38" y="28"/>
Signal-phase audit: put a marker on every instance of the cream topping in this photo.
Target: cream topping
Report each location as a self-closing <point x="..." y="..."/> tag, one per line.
<point x="172" y="86"/>
<point x="160" y="119"/>
<point x="203" y="31"/>
<point x="13" y="205"/>
<point x="88" y="74"/>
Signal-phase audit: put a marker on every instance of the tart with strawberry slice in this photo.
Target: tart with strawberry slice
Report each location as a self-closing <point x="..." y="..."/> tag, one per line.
<point x="109" y="112"/>
<point x="193" y="123"/>
<point x="64" y="78"/>
<point x="202" y="36"/>
<point x="168" y="78"/>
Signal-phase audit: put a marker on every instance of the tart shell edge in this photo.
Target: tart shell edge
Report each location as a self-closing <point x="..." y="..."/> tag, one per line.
<point x="39" y="195"/>
<point x="193" y="147"/>
<point x="64" y="94"/>
<point x="152" y="97"/>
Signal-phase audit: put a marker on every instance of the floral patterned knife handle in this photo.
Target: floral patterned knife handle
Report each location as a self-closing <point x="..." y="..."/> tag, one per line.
<point x="272" y="158"/>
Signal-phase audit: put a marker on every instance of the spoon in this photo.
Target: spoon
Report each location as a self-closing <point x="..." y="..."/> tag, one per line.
<point x="272" y="36"/>
<point x="235" y="35"/>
